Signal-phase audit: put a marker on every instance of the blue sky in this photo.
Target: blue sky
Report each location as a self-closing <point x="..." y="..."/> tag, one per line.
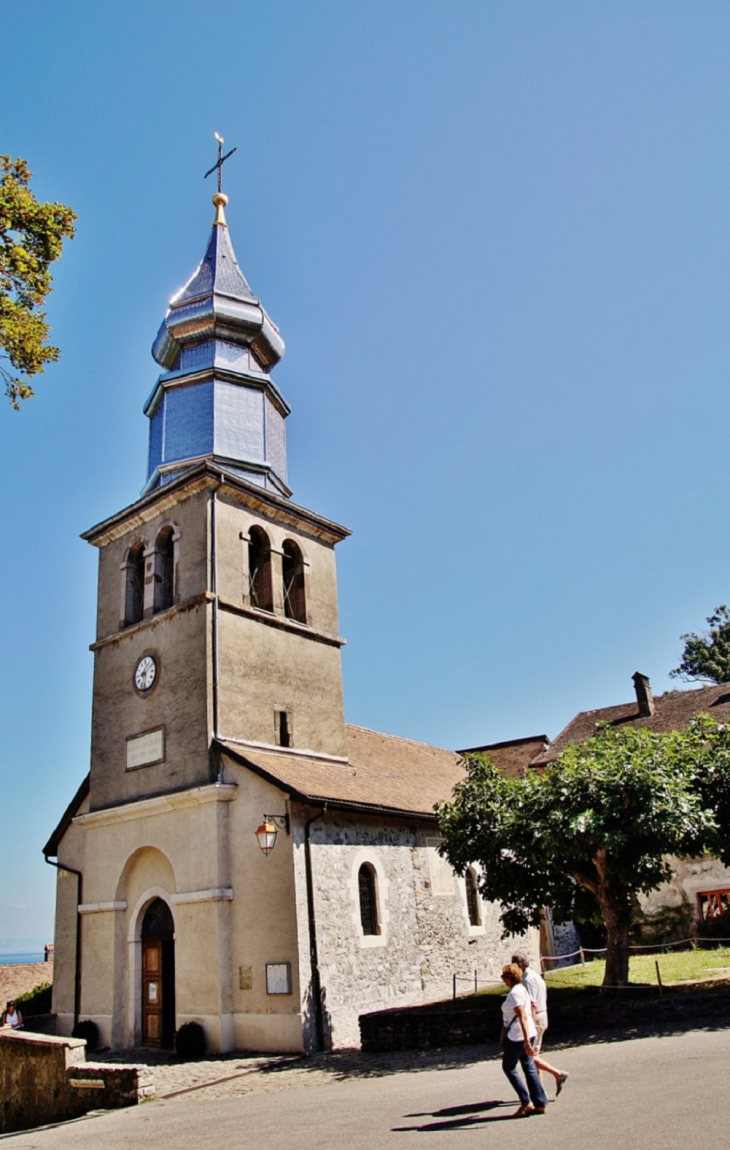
<point x="496" y="238"/>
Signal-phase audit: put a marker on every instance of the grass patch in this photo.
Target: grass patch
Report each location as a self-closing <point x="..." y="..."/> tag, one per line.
<point x="575" y="984"/>
<point x="675" y="966"/>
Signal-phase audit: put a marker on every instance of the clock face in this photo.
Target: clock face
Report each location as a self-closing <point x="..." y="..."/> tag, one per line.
<point x="146" y="673"/>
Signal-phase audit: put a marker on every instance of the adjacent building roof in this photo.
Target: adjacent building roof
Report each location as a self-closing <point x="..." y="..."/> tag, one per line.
<point x="383" y="773"/>
<point x="514" y="756"/>
<point x="672" y="712"/>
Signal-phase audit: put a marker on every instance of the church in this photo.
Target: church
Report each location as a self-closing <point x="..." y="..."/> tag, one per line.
<point x="238" y="855"/>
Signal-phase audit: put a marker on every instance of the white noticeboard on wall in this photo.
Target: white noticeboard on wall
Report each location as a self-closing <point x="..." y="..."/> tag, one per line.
<point x="146" y="749"/>
<point x="278" y="978"/>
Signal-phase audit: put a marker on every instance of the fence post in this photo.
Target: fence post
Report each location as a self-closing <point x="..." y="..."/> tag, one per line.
<point x="454" y="989"/>
<point x="582" y="956"/>
<point x="476" y="986"/>
<point x="659" y="978"/>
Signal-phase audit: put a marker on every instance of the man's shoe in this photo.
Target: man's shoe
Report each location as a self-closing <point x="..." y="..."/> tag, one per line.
<point x="539" y="1110"/>
<point x="561" y="1083"/>
<point x="523" y="1111"/>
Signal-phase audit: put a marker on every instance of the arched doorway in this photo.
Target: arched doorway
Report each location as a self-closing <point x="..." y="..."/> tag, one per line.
<point x="158" y="975"/>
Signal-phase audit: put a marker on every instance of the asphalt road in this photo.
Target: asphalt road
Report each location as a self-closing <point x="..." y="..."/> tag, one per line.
<point x="641" y="1094"/>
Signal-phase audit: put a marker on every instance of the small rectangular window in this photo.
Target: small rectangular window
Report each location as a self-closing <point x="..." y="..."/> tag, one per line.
<point x="282" y="720"/>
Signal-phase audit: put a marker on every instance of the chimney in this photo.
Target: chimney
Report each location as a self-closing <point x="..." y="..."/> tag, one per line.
<point x="644" y="696"/>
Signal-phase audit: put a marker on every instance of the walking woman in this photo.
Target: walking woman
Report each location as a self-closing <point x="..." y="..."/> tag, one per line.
<point x="518" y="1033"/>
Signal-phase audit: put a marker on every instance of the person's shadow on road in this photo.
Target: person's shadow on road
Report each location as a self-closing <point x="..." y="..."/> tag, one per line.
<point x="457" y="1117"/>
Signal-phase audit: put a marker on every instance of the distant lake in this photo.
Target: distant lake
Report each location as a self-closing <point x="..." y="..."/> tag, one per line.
<point x="21" y="956"/>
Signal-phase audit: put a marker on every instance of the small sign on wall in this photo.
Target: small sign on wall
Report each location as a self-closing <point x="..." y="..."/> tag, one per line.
<point x="278" y="978"/>
<point x="146" y="749"/>
<point x="245" y="978"/>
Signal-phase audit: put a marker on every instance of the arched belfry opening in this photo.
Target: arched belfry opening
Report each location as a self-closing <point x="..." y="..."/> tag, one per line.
<point x="293" y="575"/>
<point x="164" y="595"/>
<point x="158" y="975"/>
<point x="134" y="585"/>
<point x="259" y="569"/>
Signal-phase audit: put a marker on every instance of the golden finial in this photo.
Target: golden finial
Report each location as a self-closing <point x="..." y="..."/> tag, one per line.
<point x="220" y="199"/>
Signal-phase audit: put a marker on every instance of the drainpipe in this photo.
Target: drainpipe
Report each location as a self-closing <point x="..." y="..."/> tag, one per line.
<point x="313" y="958"/>
<point x="77" y="973"/>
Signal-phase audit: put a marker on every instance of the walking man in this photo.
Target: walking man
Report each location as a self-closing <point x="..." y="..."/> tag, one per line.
<point x="535" y="986"/>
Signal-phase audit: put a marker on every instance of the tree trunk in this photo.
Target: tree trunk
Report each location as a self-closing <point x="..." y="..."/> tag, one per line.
<point x="618" y="928"/>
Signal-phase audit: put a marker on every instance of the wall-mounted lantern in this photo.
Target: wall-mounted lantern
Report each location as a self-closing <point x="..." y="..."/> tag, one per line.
<point x="267" y="832"/>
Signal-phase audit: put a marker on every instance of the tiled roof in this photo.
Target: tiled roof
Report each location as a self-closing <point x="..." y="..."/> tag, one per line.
<point x="514" y="756"/>
<point x="383" y="772"/>
<point x="673" y="712"/>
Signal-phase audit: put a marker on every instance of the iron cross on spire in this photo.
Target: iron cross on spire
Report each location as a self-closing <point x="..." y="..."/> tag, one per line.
<point x="221" y="160"/>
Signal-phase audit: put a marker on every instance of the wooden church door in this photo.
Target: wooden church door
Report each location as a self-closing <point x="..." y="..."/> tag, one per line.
<point x="158" y="975"/>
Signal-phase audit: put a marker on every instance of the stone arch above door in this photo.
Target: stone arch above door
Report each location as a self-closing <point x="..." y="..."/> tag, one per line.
<point x="145" y="869"/>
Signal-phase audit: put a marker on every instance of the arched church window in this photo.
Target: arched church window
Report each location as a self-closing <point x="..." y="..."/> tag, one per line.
<point x="368" y="899"/>
<point x="293" y="572"/>
<point x="164" y="570"/>
<point x="134" y="585"/>
<point x="259" y="569"/>
<point x="472" y="897"/>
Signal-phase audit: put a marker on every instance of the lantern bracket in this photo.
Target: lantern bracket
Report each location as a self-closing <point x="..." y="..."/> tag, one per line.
<point x="280" y="821"/>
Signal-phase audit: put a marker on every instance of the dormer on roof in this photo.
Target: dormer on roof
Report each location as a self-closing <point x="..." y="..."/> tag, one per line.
<point x="215" y="399"/>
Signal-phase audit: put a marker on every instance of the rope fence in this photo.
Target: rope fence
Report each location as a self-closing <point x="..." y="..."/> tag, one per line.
<point x="693" y="943"/>
<point x="476" y="983"/>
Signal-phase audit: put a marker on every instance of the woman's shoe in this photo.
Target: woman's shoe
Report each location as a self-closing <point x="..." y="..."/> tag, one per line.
<point x="561" y="1083"/>
<point x="523" y="1111"/>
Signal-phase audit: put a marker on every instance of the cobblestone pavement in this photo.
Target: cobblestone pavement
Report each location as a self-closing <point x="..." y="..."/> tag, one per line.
<point x="230" y="1075"/>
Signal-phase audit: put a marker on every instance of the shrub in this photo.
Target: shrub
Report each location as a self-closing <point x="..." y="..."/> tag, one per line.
<point x="88" y="1030"/>
<point x="190" y="1040"/>
<point x="35" y="1001"/>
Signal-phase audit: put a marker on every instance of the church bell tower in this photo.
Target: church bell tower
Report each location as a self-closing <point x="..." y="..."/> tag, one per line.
<point x="217" y="615"/>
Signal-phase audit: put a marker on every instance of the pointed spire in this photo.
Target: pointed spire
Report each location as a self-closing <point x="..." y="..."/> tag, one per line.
<point x="218" y="273"/>
<point x="216" y="398"/>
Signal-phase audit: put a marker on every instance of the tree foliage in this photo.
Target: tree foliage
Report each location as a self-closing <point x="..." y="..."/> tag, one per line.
<point x="706" y="656"/>
<point x="602" y="819"/>
<point x="31" y="238"/>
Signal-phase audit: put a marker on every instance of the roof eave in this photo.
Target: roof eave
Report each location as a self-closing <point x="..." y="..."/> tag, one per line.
<point x="308" y="799"/>
<point x="51" y="847"/>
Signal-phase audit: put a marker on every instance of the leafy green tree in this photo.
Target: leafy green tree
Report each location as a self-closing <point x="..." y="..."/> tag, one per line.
<point x="602" y="818"/>
<point x="706" y="656"/>
<point x="31" y="238"/>
<point x="712" y="765"/>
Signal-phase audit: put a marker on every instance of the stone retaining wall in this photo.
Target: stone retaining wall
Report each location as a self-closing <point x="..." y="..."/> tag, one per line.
<point x="46" y="1079"/>
<point x="418" y="1029"/>
<point x="20" y="977"/>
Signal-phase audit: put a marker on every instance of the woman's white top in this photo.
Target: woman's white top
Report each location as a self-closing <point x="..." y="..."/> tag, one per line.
<point x="12" y="1019"/>
<point x="518" y="996"/>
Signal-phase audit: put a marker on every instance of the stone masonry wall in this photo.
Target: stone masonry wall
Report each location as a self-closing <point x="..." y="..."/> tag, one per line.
<point x="45" y="1079"/>
<point x="425" y="935"/>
